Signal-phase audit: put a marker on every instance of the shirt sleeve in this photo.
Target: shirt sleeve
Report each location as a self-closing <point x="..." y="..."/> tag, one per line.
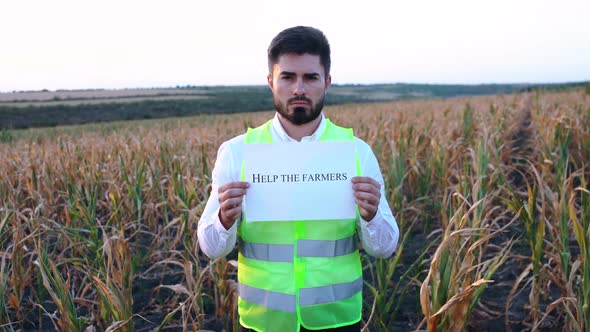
<point x="216" y="241"/>
<point x="380" y="235"/>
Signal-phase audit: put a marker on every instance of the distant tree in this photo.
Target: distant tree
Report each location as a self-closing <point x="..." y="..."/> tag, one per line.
<point x="588" y="88"/>
<point x="6" y="136"/>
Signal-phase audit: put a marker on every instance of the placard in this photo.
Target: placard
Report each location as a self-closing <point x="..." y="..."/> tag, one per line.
<point x="299" y="181"/>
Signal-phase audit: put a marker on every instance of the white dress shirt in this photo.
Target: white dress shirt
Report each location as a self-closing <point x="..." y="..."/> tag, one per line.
<point x="378" y="237"/>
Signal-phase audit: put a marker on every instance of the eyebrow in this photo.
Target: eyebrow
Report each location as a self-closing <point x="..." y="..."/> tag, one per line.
<point x="309" y="75"/>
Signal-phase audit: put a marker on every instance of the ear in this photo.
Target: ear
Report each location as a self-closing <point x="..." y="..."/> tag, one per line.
<point x="328" y="81"/>
<point x="269" y="80"/>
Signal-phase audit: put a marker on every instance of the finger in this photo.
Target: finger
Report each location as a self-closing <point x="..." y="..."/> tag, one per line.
<point x="366" y="179"/>
<point x="231" y="203"/>
<point x="363" y="212"/>
<point x="233" y="213"/>
<point x="365" y="187"/>
<point x="365" y="205"/>
<point x="230" y="193"/>
<point x="230" y="185"/>
<point x="369" y="197"/>
<point x="366" y="210"/>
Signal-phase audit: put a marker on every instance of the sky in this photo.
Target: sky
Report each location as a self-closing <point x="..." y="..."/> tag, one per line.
<point x="143" y="44"/>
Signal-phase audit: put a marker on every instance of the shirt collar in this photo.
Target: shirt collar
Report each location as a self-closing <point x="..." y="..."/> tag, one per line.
<point x="278" y="132"/>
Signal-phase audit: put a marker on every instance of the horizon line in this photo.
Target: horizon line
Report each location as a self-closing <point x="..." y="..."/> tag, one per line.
<point x="194" y="86"/>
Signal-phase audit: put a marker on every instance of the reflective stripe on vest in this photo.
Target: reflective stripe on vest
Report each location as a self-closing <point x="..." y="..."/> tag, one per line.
<point x="326" y="248"/>
<point x="305" y="248"/>
<point x="307" y="296"/>
<point x="268" y="299"/>
<point x="330" y="293"/>
<point x="267" y="252"/>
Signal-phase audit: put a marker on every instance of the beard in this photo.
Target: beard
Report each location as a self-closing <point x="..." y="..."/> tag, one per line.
<point x="300" y="115"/>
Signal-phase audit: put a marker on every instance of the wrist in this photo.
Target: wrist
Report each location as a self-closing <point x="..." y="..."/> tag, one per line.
<point x="227" y="224"/>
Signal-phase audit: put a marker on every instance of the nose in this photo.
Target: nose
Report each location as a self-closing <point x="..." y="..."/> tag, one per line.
<point x="299" y="89"/>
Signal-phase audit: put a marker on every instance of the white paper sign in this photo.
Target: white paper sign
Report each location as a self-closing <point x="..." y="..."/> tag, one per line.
<point x="299" y="181"/>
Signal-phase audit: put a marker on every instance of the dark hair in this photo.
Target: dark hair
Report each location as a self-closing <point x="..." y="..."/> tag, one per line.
<point x="300" y="40"/>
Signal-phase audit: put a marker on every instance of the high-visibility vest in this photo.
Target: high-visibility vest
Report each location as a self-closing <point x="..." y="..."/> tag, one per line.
<point x="299" y="273"/>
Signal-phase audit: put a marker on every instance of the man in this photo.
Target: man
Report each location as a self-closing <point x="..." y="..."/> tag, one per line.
<point x="300" y="275"/>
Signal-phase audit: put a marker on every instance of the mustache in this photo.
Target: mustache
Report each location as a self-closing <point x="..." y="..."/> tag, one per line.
<point x="299" y="98"/>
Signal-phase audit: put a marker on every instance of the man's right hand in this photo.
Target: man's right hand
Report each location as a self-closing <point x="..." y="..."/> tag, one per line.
<point x="231" y="196"/>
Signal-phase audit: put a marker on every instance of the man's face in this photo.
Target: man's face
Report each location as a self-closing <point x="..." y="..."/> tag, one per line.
<point x="299" y="85"/>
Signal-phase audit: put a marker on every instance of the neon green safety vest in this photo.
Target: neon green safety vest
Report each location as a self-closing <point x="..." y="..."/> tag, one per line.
<point x="294" y="273"/>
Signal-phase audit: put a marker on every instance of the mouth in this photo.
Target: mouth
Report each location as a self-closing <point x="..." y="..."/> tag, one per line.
<point x="300" y="103"/>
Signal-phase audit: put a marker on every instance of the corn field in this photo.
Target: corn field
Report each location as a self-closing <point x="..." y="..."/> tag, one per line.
<point x="492" y="196"/>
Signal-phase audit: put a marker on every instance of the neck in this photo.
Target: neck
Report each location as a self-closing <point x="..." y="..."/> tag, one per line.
<point x="297" y="132"/>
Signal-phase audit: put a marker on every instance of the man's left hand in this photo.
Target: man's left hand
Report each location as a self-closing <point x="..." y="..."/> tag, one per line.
<point x="367" y="193"/>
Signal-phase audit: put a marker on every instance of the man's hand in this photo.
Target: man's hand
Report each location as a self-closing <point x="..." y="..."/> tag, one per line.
<point x="231" y="196"/>
<point x="367" y="194"/>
